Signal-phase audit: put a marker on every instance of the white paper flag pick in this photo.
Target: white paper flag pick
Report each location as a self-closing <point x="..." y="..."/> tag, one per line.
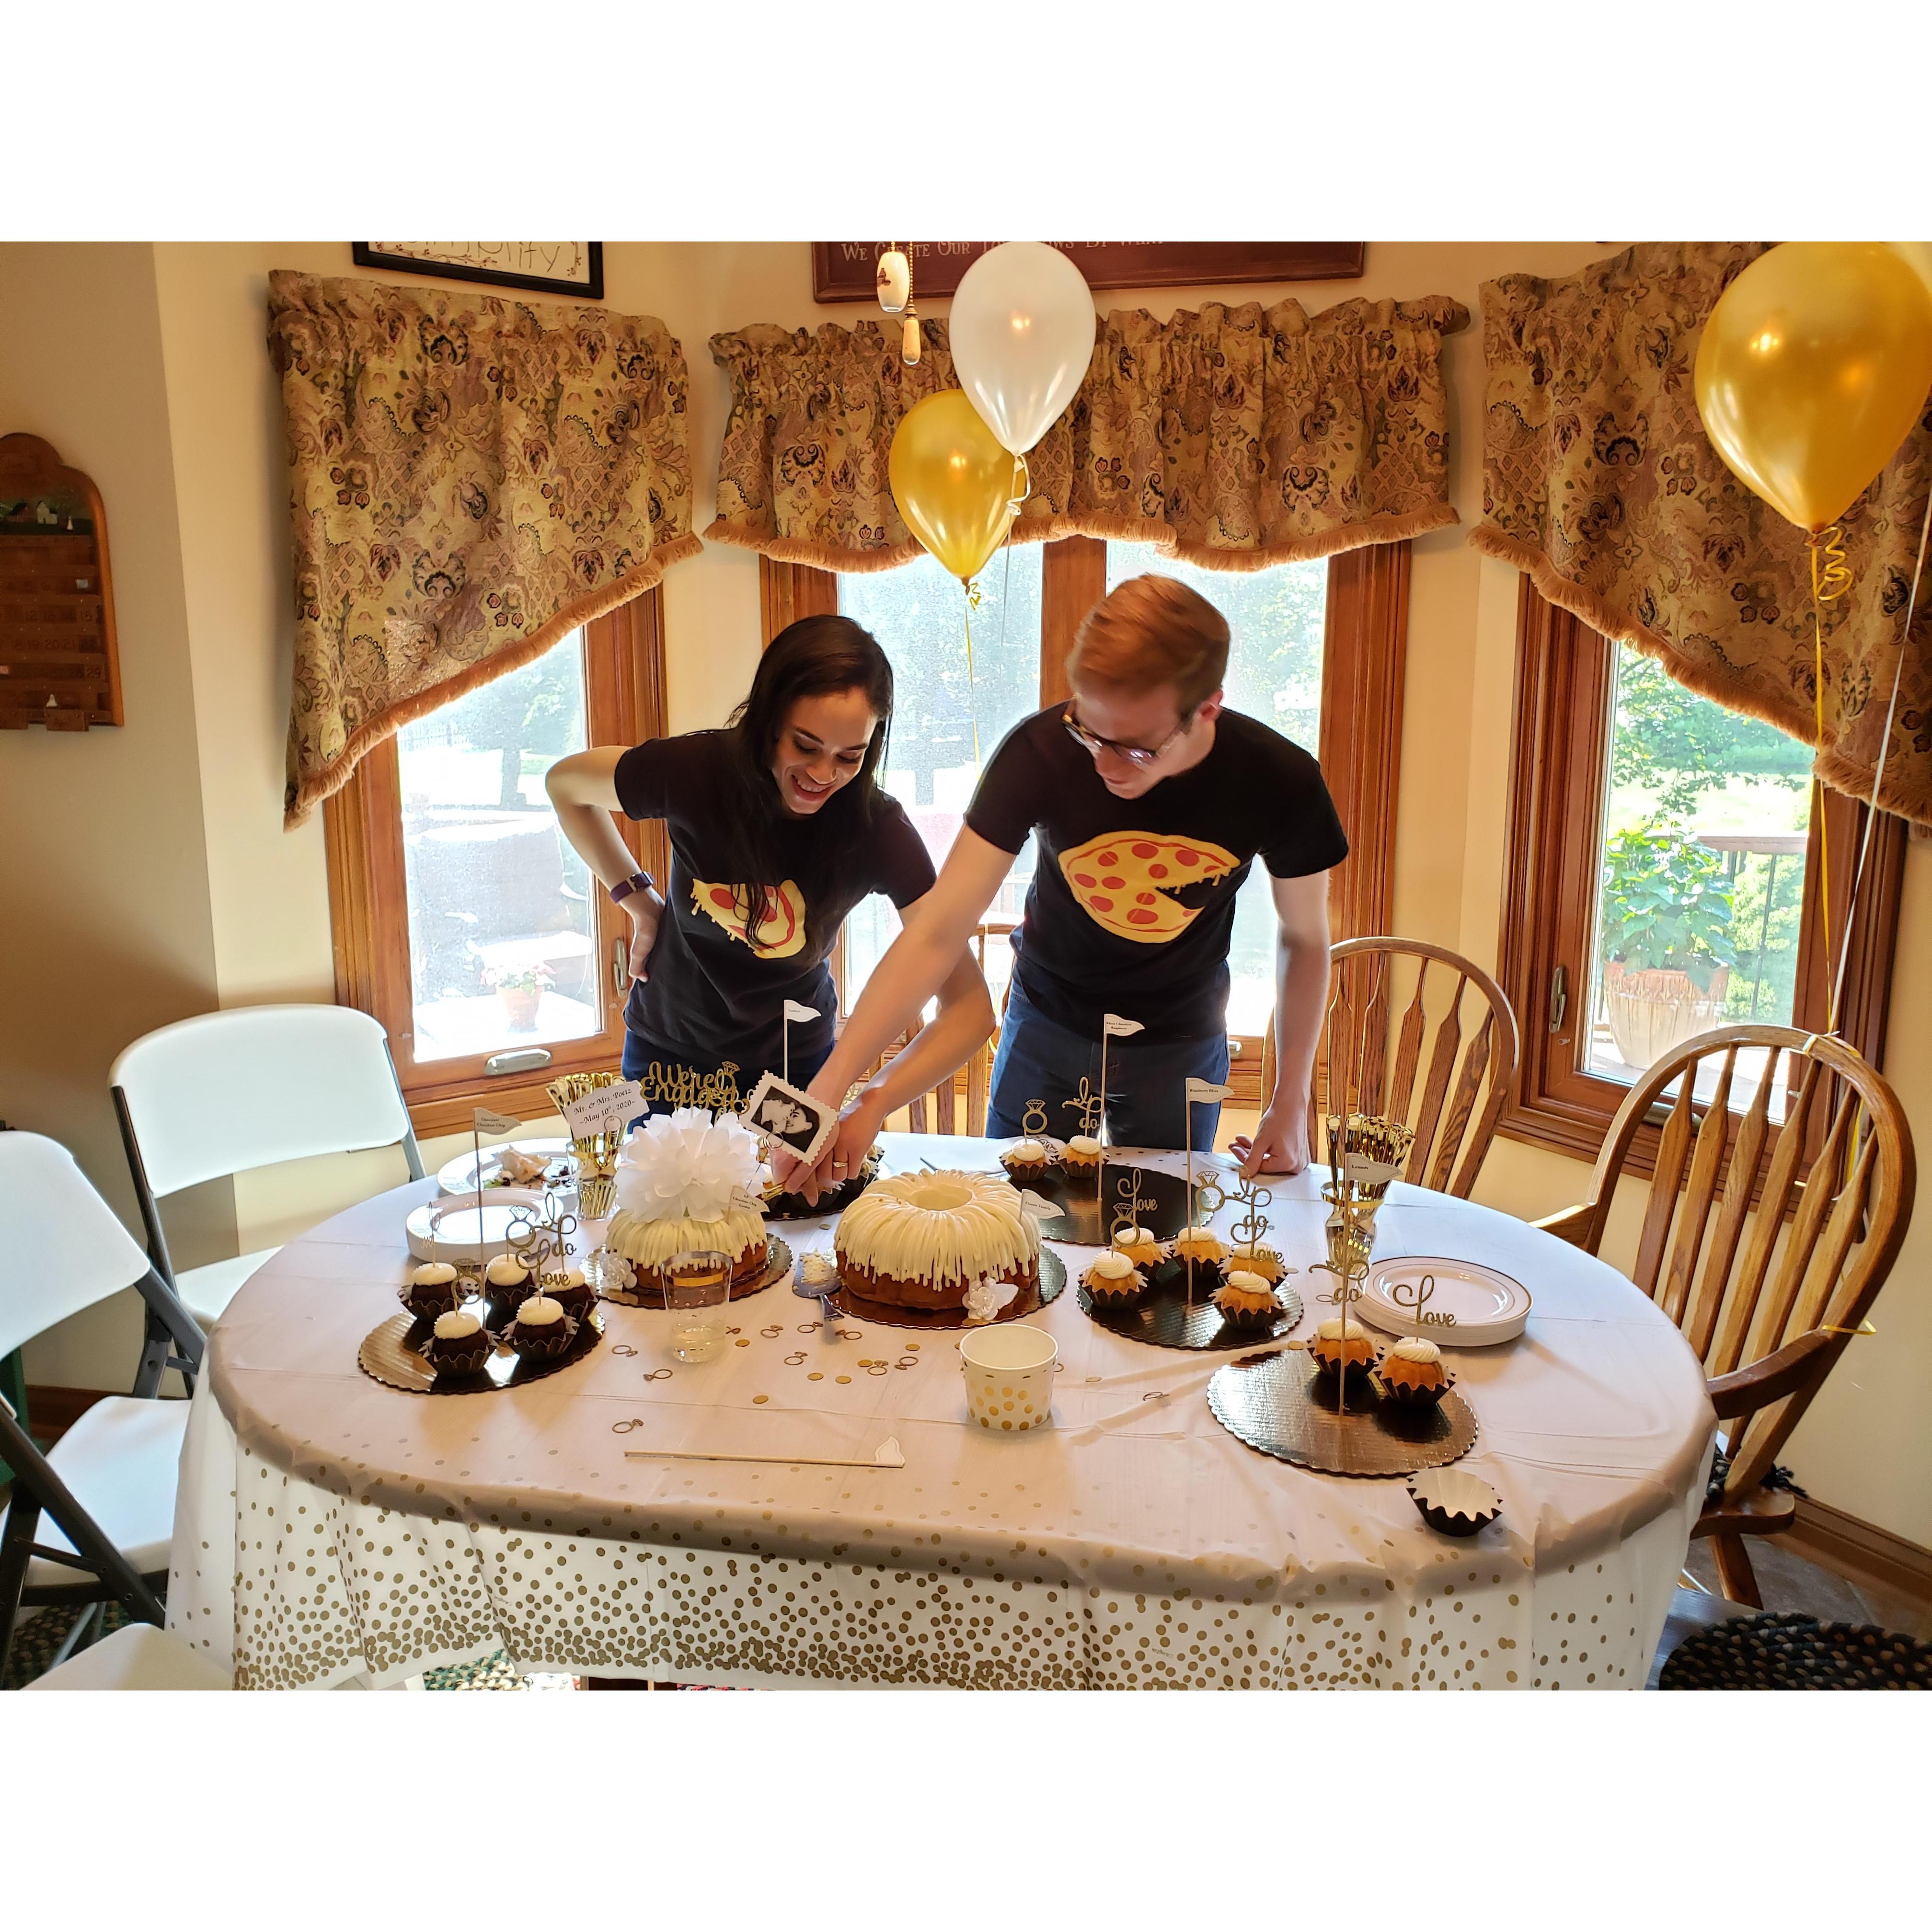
<point x="1117" y="1028"/>
<point x="1200" y="1091"/>
<point x="1037" y="1205"/>
<point x="487" y="1123"/>
<point x="793" y="1011"/>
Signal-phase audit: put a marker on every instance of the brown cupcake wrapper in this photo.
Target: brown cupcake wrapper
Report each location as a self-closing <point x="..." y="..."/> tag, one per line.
<point x="428" y="1309"/>
<point x="1357" y="1372"/>
<point x="1412" y="1398"/>
<point x="541" y="1348"/>
<point x="1248" y="1318"/>
<point x="1128" y="1296"/>
<point x="466" y="1364"/>
<point x="1452" y="1522"/>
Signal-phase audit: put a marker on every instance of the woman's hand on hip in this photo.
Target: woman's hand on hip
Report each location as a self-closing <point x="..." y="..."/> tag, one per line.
<point x="646" y="909"/>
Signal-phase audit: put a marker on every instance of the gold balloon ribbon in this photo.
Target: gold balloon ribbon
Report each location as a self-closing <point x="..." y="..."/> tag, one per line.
<point x="1863" y="1328"/>
<point x="972" y="689"/>
<point x="1831" y="578"/>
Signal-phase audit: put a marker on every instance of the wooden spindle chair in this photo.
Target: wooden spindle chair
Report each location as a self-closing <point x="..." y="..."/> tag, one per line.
<point x="1453" y="1107"/>
<point x="944" y="1110"/>
<point x="1765" y="1244"/>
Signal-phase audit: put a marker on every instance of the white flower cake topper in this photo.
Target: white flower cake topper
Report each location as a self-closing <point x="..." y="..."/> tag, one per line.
<point x="688" y="1166"/>
<point x="987" y="1296"/>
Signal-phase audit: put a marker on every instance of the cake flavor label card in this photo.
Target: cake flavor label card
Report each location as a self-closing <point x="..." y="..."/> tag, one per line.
<point x="805" y="1125"/>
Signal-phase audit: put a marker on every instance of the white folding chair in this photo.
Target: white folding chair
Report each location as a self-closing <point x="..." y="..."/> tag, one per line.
<point x="108" y="1487"/>
<point x="137" y="1657"/>
<point x="224" y="1093"/>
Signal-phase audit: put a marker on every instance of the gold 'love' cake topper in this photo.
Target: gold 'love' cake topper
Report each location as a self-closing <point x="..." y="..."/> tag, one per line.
<point x="1129" y="1205"/>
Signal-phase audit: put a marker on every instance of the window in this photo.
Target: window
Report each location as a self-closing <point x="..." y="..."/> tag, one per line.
<point x="1685" y="898"/>
<point x="464" y="921"/>
<point x="945" y="724"/>
<point x="1318" y="653"/>
<point x="1277" y="618"/>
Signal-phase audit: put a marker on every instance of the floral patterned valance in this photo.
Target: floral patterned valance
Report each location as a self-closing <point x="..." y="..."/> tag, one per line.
<point x="1599" y="482"/>
<point x="1234" y="438"/>
<point x="470" y="479"/>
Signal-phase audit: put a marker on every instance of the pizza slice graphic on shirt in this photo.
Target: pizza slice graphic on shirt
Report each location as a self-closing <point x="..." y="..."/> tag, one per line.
<point x="782" y="931"/>
<point x="1124" y="881"/>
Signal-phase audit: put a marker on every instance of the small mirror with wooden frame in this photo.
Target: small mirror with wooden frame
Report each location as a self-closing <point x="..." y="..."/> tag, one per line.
<point x="58" y="663"/>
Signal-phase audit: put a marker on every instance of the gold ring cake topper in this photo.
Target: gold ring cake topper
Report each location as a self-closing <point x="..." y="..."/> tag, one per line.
<point x="1028" y="1125"/>
<point x="1086" y="1104"/>
<point x="1209" y="1197"/>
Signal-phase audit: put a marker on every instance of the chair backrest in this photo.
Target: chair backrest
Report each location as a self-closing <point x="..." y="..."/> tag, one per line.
<point x="225" y="1092"/>
<point x="1451" y="1092"/>
<point x="62" y="1248"/>
<point x="941" y="1111"/>
<point x="1745" y="1249"/>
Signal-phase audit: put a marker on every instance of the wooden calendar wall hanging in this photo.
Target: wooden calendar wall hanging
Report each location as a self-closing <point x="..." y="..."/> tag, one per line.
<point x="59" y="666"/>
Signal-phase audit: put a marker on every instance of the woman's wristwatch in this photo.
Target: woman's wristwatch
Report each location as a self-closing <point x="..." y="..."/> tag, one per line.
<point x="636" y="882"/>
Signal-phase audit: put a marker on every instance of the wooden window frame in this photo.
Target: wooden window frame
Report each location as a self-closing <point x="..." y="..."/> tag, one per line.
<point x="624" y="701"/>
<point x="1364" y="659"/>
<point x="1562" y="737"/>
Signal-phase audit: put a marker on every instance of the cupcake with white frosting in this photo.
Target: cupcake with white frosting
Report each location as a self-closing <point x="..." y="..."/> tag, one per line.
<point x="542" y="1329"/>
<point x="1246" y="1300"/>
<point x="1113" y="1281"/>
<point x="1412" y="1374"/>
<point x="570" y="1287"/>
<point x="1139" y="1247"/>
<point x="1081" y="1155"/>
<point x="431" y="1290"/>
<point x="1029" y="1160"/>
<point x="460" y="1344"/>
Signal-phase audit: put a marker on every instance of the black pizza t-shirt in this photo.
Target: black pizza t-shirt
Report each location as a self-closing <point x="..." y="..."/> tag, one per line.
<point x="712" y="992"/>
<point x="1132" y="902"/>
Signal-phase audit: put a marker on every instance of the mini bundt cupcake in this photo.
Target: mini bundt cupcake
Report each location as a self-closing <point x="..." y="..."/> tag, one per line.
<point x="1139" y="1247"/>
<point x="1334" y="1354"/>
<point x="1412" y="1375"/>
<point x="576" y="1295"/>
<point x="1027" y="1161"/>
<point x="1113" y="1280"/>
<point x="460" y="1344"/>
<point x="1256" y="1257"/>
<point x="432" y="1290"/>
<point x="1246" y="1300"/>
<point x="541" y="1330"/>
<point x="1201" y="1247"/>
<point x="1081" y="1155"/>
<point x="507" y="1280"/>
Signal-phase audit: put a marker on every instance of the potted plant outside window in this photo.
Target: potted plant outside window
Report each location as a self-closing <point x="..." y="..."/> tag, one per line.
<point x="1666" y="940"/>
<point x="519" y="994"/>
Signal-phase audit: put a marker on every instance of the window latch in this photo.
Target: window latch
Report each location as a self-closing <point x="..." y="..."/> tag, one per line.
<point x="1559" y="998"/>
<point x="524" y="1060"/>
<point x="620" y="964"/>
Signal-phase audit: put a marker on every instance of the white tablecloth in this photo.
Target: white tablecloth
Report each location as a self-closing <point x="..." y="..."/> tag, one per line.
<point x="329" y="1528"/>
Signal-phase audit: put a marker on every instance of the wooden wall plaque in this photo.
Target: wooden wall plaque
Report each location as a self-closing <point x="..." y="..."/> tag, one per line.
<point x="59" y="665"/>
<point x="845" y="271"/>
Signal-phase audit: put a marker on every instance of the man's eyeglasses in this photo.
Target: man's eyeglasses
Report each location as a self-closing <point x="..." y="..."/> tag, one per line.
<point x="1136" y="755"/>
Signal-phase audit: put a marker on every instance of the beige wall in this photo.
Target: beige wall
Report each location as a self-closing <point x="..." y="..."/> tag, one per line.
<point x="214" y="479"/>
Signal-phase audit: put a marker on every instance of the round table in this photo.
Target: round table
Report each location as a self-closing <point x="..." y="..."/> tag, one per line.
<point x="330" y="1529"/>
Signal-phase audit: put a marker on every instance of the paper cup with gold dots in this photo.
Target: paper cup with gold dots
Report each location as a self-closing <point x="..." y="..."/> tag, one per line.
<point x="1009" y="1370"/>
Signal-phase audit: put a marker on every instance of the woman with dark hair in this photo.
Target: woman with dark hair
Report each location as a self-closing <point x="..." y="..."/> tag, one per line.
<point x="778" y="828"/>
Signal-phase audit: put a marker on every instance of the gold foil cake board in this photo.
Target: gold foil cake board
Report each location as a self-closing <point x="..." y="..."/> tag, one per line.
<point x="1271" y="1403"/>
<point x="889" y="1315"/>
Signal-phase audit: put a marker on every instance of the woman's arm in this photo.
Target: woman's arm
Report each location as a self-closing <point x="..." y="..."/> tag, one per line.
<point x="583" y="790"/>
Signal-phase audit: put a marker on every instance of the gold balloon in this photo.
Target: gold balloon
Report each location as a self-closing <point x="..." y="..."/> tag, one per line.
<point x="954" y="484"/>
<point x="1814" y="366"/>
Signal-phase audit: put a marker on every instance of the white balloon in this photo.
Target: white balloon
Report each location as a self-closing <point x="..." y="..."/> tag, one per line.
<point x="1022" y="330"/>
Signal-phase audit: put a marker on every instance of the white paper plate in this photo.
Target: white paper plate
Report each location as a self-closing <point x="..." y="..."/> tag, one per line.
<point x="1488" y="1306"/>
<point x="453" y="1224"/>
<point x="459" y="1176"/>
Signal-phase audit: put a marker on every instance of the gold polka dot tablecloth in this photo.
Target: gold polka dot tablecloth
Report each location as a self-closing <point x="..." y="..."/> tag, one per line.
<point x="329" y="1529"/>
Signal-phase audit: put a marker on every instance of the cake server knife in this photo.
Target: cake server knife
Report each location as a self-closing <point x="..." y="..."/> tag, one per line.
<point x="887" y="1456"/>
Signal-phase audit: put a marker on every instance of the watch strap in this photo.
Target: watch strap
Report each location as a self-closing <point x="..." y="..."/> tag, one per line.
<point x="636" y="882"/>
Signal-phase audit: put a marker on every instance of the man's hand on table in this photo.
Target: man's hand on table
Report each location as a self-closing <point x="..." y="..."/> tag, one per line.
<point x="1278" y="1145"/>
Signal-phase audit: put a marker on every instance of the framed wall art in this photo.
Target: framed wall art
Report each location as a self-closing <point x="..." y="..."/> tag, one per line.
<point x="547" y="267"/>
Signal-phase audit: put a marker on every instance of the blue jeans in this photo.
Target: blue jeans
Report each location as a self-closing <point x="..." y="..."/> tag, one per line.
<point x="639" y="1052"/>
<point x="1147" y="1106"/>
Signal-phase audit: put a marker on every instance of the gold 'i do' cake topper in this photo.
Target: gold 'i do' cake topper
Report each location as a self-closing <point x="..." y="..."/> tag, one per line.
<point x="1253" y="1224"/>
<point x="539" y="1244"/>
<point x="1086" y="1104"/>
